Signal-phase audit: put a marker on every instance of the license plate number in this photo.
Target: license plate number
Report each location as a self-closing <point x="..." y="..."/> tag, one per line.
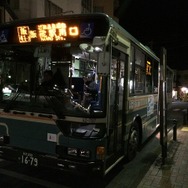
<point x="28" y="159"/>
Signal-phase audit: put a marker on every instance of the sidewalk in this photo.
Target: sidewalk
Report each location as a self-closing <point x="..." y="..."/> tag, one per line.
<point x="174" y="173"/>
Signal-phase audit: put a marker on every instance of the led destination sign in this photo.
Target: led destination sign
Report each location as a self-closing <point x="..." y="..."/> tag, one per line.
<point x="47" y="32"/>
<point x="56" y="31"/>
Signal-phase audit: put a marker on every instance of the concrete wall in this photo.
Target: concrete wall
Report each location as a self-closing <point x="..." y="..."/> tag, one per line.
<point x="24" y="11"/>
<point x="4" y="15"/>
<point x="69" y="5"/>
<point x="7" y="18"/>
<point x="36" y="8"/>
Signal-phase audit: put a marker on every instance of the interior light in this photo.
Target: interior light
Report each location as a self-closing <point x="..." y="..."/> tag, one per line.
<point x="98" y="49"/>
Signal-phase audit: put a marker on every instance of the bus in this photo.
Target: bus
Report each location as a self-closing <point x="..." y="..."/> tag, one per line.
<point x="51" y="126"/>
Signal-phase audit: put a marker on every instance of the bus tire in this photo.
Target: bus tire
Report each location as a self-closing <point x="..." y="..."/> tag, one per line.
<point x="133" y="141"/>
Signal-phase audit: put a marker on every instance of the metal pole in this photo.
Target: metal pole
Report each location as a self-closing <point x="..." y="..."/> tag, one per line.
<point x="161" y="121"/>
<point x="174" y="129"/>
<point x="163" y="106"/>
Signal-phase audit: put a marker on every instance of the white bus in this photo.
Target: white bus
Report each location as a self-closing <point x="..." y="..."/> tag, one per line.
<point x="51" y="126"/>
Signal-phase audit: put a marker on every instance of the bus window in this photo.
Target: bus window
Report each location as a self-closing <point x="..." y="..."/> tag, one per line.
<point x="131" y="65"/>
<point x="139" y="80"/>
<point x="139" y="72"/>
<point x="148" y="87"/>
<point x="22" y="79"/>
<point x="155" y="76"/>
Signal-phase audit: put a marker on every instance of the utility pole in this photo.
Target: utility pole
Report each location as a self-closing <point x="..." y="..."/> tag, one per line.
<point x="163" y="105"/>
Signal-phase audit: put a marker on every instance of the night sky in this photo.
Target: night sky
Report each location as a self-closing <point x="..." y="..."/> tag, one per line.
<point x="159" y="23"/>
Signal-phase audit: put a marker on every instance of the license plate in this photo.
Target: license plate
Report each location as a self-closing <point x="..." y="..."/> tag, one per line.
<point x="28" y="159"/>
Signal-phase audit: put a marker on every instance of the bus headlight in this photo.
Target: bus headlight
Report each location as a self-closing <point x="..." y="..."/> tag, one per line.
<point x="84" y="153"/>
<point x="72" y="151"/>
<point x="79" y="152"/>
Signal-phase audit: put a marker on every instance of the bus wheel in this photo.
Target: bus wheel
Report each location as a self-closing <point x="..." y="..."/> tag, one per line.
<point x="133" y="142"/>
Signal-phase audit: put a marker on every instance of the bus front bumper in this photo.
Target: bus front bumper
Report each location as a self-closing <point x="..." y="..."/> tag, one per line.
<point x="34" y="159"/>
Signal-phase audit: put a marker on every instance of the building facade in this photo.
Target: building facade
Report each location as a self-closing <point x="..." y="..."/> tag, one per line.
<point x="6" y="13"/>
<point x="25" y="9"/>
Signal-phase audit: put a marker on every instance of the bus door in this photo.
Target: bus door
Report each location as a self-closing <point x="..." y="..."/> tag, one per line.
<point x="117" y="101"/>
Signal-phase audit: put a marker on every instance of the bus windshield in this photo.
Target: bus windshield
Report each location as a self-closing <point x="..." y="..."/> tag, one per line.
<point x="58" y="79"/>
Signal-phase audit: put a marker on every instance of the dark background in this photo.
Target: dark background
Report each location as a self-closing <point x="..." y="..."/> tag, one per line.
<point x="159" y="23"/>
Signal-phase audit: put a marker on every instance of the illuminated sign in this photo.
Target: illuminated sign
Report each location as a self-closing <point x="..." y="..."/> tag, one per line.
<point x="47" y="32"/>
<point x="54" y="30"/>
<point x="148" y="68"/>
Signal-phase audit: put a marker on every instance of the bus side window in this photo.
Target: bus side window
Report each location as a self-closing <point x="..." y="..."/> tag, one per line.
<point x="148" y="84"/>
<point x="139" y="80"/>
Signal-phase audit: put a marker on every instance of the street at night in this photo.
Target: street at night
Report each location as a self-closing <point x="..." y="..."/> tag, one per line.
<point x="93" y="94"/>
